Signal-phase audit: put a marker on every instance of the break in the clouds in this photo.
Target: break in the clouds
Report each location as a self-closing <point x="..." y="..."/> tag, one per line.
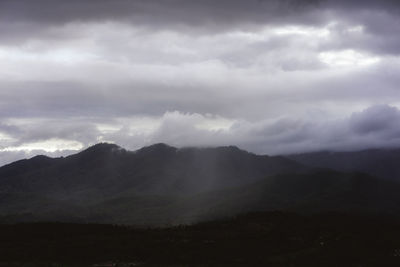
<point x="273" y="77"/>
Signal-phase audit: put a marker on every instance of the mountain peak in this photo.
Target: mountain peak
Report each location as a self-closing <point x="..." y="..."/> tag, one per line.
<point x="159" y="147"/>
<point x="40" y="158"/>
<point x="230" y="149"/>
<point x="102" y="148"/>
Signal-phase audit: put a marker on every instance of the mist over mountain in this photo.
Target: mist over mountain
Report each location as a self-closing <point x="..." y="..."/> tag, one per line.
<point x="106" y="175"/>
<point x="106" y="169"/>
<point x="160" y="184"/>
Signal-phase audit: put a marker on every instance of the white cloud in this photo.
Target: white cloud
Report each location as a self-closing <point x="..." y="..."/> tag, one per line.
<point x="347" y="58"/>
<point x="50" y="145"/>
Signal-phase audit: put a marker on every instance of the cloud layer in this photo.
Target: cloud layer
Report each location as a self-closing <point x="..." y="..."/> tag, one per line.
<point x="270" y="76"/>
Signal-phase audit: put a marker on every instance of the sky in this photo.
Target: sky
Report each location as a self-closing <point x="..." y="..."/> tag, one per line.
<point x="271" y="77"/>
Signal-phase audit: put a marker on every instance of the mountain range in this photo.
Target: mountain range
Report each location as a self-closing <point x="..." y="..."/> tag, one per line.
<point x="382" y="163"/>
<point x="163" y="185"/>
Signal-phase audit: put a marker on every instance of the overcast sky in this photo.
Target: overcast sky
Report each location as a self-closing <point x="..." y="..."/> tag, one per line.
<point x="272" y="77"/>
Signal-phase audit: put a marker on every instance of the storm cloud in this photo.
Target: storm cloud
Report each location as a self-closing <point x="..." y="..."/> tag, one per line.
<point x="273" y="77"/>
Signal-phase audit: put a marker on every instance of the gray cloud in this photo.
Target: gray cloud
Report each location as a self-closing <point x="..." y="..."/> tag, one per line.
<point x="41" y="18"/>
<point x="25" y="20"/>
<point x="374" y="127"/>
<point x="151" y="12"/>
<point x="191" y="12"/>
<point x="269" y="76"/>
<point x="380" y="119"/>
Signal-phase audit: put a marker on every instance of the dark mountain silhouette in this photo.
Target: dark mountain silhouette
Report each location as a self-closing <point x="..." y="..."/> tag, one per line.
<point x="106" y="169"/>
<point x="104" y="174"/>
<point x="318" y="191"/>
<point x="384" y="163"/>
<point x="160" y="185"/>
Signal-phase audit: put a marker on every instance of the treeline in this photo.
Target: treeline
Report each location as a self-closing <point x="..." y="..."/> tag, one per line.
<point x="271" y="238"/>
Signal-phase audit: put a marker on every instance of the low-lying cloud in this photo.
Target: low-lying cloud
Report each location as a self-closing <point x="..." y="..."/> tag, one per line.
<point x="375" y="127"/>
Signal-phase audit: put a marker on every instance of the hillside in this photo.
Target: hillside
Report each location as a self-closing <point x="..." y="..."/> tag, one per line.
<point x="100" y="179"/>
<point x="382" y="163"/>
<point x="106" y="169"/>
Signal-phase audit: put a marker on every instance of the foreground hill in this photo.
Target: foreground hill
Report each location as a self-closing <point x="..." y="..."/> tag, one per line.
<point x="317" y="191"/>
<point x="382" y="163"/>
<point x="257" y="239"/>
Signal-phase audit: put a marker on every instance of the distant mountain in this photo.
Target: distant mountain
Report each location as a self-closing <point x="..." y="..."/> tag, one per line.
<point x="160" y="184"/>
<point x="107" y="169"/>
<point x="377" y="162"/>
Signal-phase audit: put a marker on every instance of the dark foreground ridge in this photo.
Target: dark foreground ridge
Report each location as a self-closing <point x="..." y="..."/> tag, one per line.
<point x="257" y="239"/>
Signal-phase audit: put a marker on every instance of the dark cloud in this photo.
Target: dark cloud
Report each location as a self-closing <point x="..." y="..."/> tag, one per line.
<point x="22" y="131"/>
<point x="376" y="120"/>
<point x="24" y="20"/>
<point x="161" y="12"/>
<point x="151" y="12"/>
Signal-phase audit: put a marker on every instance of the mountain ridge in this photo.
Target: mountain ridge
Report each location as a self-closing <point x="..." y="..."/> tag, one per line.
<point x="383" y="163"/>
<point x="161" y="184"/>
<point x="101" y="165"/>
